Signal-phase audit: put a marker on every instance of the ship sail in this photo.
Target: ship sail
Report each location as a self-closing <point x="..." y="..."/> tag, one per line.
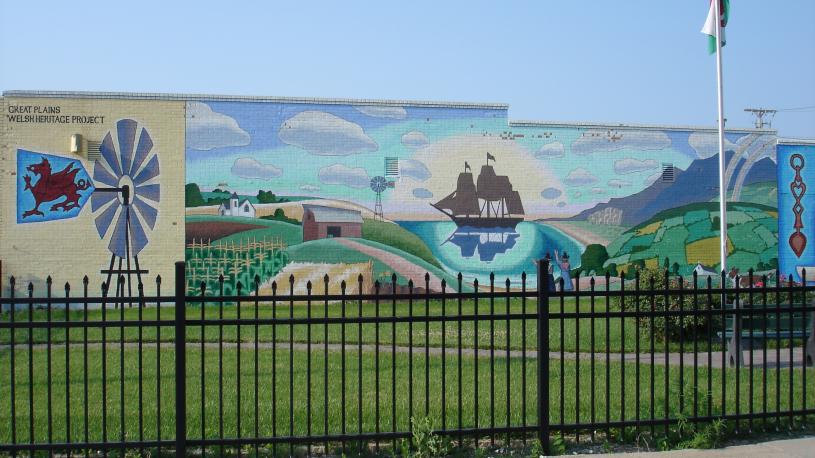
<point x="514" y="205"/>
<point x="463" y="200"/>
<point x="490" y="201"/>
<point x="492" y="187"/>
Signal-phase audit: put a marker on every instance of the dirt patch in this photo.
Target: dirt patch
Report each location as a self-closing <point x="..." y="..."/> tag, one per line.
<point x="401" y="265"/>
<point x="213" y="230"/>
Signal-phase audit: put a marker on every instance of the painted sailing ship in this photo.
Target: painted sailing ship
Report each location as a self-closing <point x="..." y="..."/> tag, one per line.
<point x="488" y="202"/>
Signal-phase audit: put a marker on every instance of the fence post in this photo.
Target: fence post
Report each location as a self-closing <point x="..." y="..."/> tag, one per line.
<point x="543" y="354"/>
<point x="180" y="359"/>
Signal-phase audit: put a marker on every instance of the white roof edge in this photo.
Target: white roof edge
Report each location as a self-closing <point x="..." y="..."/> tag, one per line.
<point x="246" y="98"/>
<point x="796" y="141"/>
<point x="618" y="125"/>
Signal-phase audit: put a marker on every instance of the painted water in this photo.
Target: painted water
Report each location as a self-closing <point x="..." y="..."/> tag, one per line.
<point x="476" y="252"/>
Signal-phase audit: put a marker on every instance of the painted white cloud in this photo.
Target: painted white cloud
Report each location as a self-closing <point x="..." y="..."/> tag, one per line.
<point x="207" y="129"/>
<point x="630" y="165"/>
<point x="382" y="111"/>
<point x="340" y="174"/>
<point x="247" y="167"/>
<point x="554" y="149"/>
<point x="706" y="144"/>
<point x="577" y="194"/>
<point x="580" y="177"/>
<point x="616" y="183"/>
<point x="324" y="134"/>
<point x="309" y="188"/>
<point x="415" y="139"/>
<point x="605" y="140"/>
<point x="422" y="193"/>
<point x="414" y="169"/>
<point x="598" y="191"/>
<point x="551" y="193"/>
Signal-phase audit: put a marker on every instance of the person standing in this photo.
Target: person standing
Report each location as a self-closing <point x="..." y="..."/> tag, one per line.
<point x="565" y="270"/>
<point x="550" y="273"/>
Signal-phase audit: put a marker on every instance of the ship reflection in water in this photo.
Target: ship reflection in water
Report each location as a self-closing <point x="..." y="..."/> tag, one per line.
<point x="487" y="241"/>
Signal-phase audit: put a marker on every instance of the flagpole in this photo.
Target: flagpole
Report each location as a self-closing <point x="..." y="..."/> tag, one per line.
<point x="735" y="356"/>
<point x="722" y="183"/>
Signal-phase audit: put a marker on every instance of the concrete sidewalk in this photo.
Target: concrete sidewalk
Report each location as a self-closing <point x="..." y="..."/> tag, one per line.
<point x="789" y="448"/>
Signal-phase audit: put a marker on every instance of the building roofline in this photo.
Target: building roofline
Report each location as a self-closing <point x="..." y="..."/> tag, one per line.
<point x="374" y="102"/>
<point x="247" y="98"/>
<point x="606" y="125"/>
<point x="796" y="141"/>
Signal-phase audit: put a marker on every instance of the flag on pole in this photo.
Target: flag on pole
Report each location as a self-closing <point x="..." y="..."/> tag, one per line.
<point x="490" y="157"/>
<point x="709" y="28"/>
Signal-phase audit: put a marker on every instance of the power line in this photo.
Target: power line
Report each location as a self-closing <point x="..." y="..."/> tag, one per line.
<point x="806" y="108"/>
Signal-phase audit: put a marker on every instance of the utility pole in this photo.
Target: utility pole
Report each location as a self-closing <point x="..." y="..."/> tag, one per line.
<point x="759" y="113"/>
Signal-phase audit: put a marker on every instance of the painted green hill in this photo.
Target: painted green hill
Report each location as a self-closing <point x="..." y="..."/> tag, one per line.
<point x="398" y="237"/>
<point x="680" y="237"/>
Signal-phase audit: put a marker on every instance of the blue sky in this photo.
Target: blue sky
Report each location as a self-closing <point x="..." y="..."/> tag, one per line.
<point x="633" y="61"/>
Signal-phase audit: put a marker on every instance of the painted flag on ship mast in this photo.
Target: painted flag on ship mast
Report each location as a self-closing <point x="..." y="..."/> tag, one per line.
<point x="709" y="28"/>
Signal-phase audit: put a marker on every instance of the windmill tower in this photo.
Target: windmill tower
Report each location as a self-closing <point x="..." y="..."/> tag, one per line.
<point x="125" y="201"/>
<point x="378" y="185"/>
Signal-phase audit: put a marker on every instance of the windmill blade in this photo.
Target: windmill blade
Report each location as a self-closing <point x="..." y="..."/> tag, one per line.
<point x="126" y="129"/>
<point x="146" y="211"/>
<point x="103" y="220"/>
<point x="138" y="239"/>
<point x="149" y="191"/>
<point x="150" y="171"/>
<point x="118" y="238"/>
<point x="102" y="176"/>
<point x="142" y="150"/>
<point x="108" y="152"/>
<point x="100" y="199"/>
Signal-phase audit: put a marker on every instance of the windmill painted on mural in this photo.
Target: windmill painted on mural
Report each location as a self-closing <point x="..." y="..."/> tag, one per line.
<point x="124" y="195"/>
<point x="380" y="184"/>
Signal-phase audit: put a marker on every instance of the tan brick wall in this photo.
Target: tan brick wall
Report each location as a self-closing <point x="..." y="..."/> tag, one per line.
<point x="71" y="248"/>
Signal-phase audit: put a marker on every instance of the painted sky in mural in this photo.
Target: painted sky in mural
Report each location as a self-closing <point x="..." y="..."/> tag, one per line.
<point x="628" y="189"/>
<point x="332" y="151"/>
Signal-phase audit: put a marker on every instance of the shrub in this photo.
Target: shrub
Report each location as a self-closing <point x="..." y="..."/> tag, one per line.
<point x="686" y="323"/>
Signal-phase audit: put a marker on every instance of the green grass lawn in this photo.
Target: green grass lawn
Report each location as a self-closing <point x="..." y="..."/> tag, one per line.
<point x="622" y="333"/>
<point x="275" y="388"/>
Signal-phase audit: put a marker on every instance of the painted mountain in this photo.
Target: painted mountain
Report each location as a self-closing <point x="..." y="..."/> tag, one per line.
<point x="698" y="183"/>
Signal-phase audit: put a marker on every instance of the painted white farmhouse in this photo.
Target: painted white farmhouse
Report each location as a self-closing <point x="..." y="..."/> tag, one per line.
<point x="234" y="208"/>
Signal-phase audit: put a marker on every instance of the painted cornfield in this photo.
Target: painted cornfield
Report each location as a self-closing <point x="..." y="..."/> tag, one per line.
<point x="237" y="262"/>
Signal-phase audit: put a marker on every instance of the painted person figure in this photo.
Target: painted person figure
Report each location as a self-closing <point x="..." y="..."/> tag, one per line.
<point x="565" y="270"/>
<point x="550" y="274"/>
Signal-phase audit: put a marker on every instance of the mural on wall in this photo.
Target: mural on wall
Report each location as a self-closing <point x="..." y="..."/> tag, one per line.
<point x="59" y="185"/>
<point x="405" y="190"/>
<point x="129" y="171"/>
<point x="123" y="193"/>
<point x="796" y="202"/>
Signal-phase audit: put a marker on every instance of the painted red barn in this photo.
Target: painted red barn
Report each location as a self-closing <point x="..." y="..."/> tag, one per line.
<point x="321" y="222"/>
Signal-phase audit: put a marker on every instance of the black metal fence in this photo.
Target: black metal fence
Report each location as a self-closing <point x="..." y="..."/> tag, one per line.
<point x="270" y="371"/>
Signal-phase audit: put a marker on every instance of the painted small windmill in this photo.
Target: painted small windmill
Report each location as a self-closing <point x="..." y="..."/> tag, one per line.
<point x="378" y="185"/>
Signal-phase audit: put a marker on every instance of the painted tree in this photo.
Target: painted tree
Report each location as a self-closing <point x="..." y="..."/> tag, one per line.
<point x="192" y="195"/>
<point x="593" y="258"/>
